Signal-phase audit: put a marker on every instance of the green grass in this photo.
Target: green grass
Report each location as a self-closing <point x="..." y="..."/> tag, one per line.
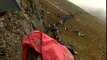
<point x="20" y="58"/>
<point x="67" y="39"/>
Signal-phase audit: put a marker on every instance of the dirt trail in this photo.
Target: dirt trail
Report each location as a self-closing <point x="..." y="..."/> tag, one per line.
<point x="63" y="11"/>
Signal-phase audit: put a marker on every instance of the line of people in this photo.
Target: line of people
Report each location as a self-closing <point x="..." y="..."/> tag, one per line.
<point x="54" y="29"/>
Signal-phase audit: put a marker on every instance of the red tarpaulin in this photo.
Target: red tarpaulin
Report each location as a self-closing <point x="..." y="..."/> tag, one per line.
<point x="48" y="47"/>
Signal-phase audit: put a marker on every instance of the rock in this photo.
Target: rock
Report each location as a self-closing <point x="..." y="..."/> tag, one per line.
<point x="14" y="25"/>
<point x="1" y="24"/>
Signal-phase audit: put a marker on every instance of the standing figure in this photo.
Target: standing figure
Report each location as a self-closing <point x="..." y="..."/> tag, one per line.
<point x="55" y="32"/>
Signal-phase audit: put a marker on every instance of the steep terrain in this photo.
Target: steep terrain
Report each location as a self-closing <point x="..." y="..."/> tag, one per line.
<point x="14" y="25"/>
<point x="41" y="13"/>
<point x="90" y="47"/>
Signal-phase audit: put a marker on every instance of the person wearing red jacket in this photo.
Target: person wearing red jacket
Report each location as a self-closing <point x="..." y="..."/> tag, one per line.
<point x="49" y="49"/>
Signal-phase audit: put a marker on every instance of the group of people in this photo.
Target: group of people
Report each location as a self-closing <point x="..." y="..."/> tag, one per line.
<point x="54" y="28"/>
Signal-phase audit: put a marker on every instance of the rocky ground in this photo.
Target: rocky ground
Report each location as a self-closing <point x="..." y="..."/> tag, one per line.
<point x="38" y="14"/>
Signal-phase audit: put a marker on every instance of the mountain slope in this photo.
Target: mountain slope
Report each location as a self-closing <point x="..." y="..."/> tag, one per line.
<point x="38" y="14"/>
<point x="92" y="45"/>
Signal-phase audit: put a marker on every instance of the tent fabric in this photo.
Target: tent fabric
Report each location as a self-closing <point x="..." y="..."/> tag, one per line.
<point x="48" y="47"/>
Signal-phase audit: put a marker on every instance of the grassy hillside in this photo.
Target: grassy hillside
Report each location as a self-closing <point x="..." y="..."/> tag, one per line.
<point x="90" y="47"/>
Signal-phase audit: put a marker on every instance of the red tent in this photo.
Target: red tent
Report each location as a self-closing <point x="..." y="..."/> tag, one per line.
<point x="49" y="48"/>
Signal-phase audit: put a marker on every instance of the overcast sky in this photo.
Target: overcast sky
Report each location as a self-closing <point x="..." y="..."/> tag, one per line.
<point x="95" y="7"/>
